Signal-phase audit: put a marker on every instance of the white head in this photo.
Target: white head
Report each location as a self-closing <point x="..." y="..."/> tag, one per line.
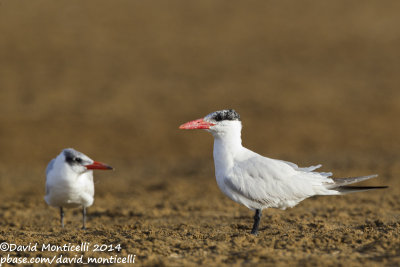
<point x="220" y="123"/>
<point x="79" y="162"/>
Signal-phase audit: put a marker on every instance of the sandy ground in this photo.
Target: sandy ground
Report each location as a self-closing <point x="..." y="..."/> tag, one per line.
<point x="313" y="82"/>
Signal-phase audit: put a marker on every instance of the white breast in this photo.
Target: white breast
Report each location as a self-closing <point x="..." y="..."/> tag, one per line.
<point x="65" y="188"/>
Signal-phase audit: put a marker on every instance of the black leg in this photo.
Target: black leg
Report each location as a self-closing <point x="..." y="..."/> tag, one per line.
<point x="84" y="218"/>
<point x="257" y="218"/>
<point x="62" y="217"/>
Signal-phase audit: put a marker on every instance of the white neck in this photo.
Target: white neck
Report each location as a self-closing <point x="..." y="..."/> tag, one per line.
<point x="227" y="142"/>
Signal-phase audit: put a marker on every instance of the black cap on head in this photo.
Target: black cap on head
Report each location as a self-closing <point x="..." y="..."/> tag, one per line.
<point x="226" y="114"/>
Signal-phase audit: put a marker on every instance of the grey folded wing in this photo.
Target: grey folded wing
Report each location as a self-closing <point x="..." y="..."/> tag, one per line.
<point x="50" y="166"/>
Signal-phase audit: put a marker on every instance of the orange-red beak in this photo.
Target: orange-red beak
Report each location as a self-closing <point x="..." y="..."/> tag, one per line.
<point x="98" y="166"/>
<point x="196" y="124"/>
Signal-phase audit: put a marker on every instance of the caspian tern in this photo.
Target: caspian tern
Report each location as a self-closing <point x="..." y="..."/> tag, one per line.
<point x="259" y="182"/>
<point x="69" y="181"/>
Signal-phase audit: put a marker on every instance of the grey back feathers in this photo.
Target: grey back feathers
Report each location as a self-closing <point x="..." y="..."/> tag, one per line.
<point x="222" y="115"/>
<point x="50" y="166"/>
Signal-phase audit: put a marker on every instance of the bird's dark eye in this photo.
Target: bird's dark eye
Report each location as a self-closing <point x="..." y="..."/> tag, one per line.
<point x="218" y="117"/>
<point x="79" y="160"/>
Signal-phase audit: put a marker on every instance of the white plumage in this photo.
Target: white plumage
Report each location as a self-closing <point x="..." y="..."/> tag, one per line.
<point x="69" y="181"/>
<point x="259" y="182"/>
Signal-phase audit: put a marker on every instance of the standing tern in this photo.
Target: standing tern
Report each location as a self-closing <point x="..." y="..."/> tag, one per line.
<point x="69" y="181"/>
<point x="259" y="182"/>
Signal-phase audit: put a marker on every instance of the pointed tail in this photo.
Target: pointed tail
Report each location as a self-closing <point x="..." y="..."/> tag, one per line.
<point x="341" y="184"/>
<point x="353" y="189"/>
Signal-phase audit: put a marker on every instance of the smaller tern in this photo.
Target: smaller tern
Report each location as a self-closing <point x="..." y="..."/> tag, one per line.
<point x="69" y="181"/>
<point x="259" y="182"/>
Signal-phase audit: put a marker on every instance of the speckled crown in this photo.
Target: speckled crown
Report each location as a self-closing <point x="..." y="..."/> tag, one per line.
<point x="222" y="115"/>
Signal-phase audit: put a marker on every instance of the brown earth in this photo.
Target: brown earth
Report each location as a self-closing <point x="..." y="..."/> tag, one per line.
<point x="314" y="82"/>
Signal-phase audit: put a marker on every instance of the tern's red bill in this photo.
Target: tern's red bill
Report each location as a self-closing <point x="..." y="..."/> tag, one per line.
<point x="196" y="124"/>
<point x="98" y="166"/>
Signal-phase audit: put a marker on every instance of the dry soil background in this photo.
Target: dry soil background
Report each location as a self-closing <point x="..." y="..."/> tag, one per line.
<point x="314" y="82"/>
